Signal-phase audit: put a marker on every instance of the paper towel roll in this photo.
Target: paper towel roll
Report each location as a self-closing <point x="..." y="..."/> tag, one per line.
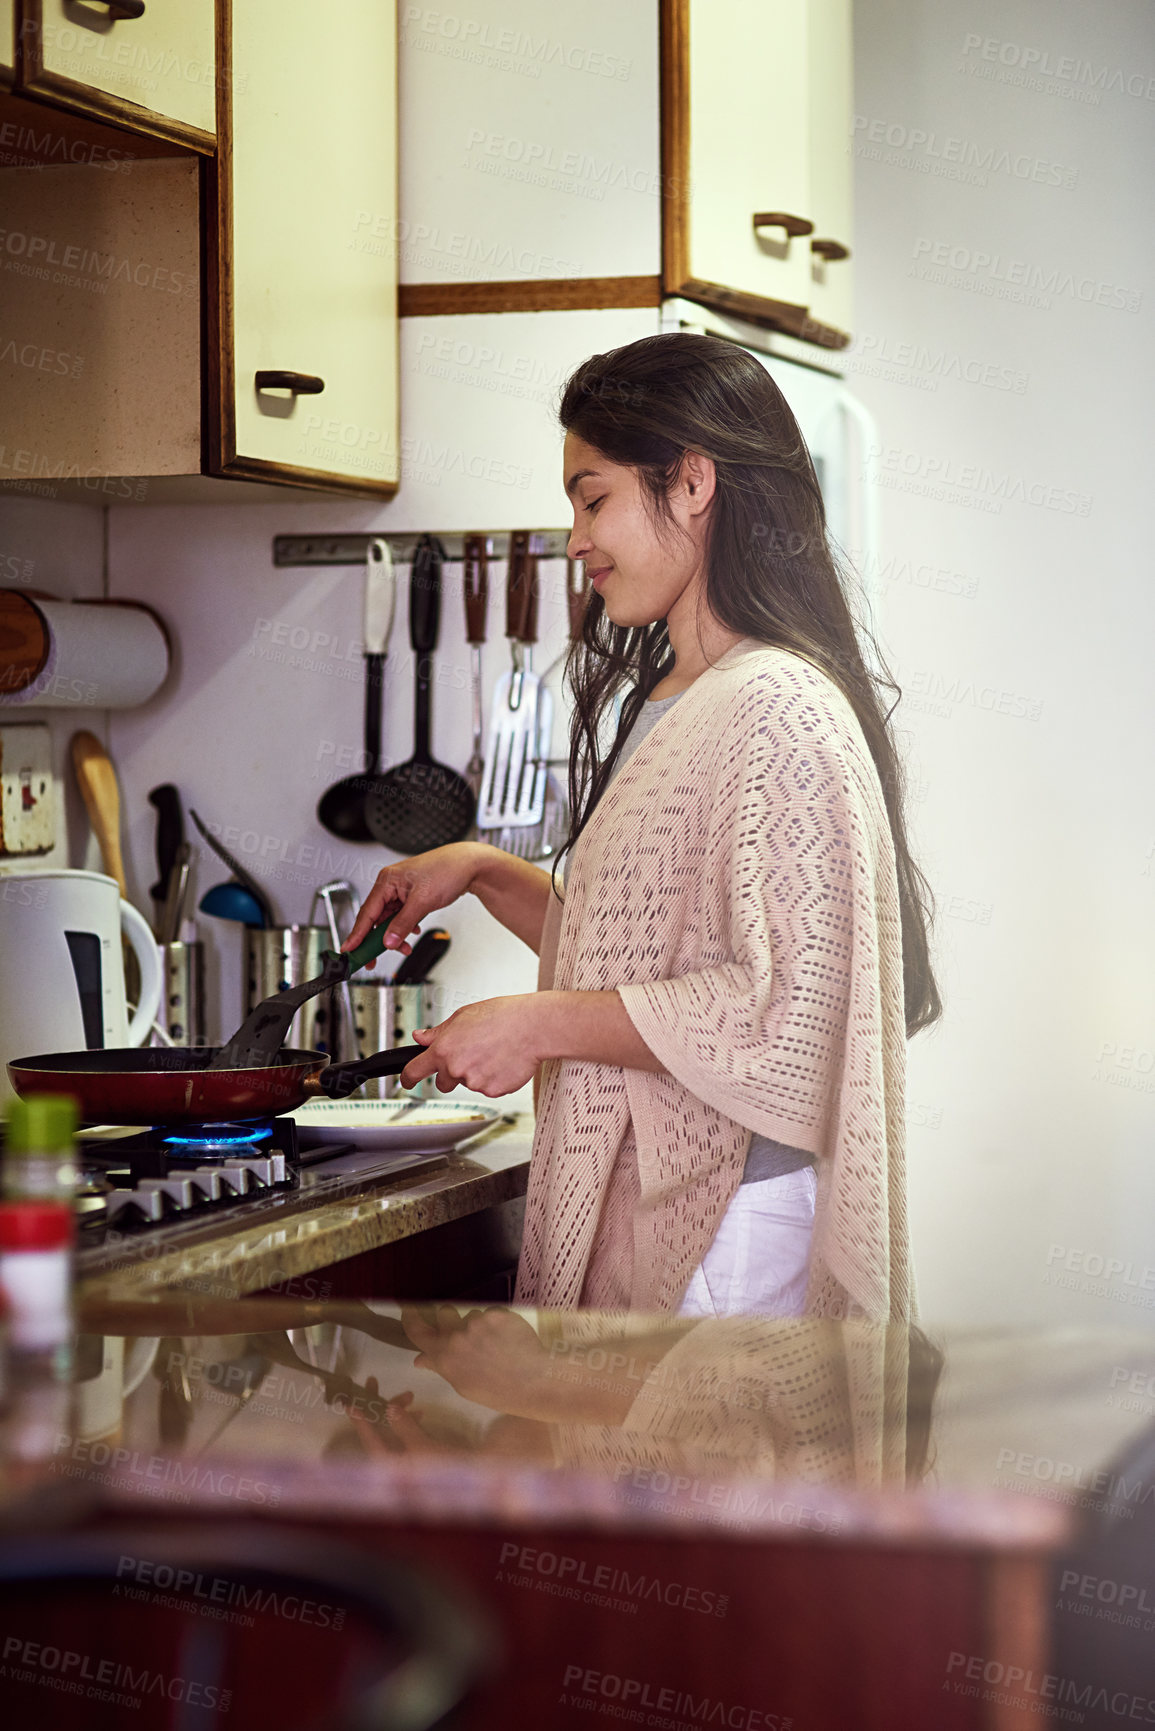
<point x="80" y="654"/>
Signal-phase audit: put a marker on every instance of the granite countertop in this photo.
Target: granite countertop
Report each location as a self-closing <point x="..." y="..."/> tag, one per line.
<point x="290" y="1236"/>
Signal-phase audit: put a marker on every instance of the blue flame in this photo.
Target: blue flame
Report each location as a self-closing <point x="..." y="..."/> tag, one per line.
<point x="218" y="1136"/>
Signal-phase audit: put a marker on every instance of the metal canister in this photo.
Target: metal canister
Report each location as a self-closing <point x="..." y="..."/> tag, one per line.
<point x="283" y="956"/>
<point x="182" y="1001"/>
<point x="386" y="1016"/>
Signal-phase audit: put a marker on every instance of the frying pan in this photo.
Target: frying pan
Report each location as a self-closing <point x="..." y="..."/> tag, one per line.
<point x="174" y="1085"/>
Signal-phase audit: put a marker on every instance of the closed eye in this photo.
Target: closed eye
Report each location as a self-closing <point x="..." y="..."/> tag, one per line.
<point x="594" y="503"/>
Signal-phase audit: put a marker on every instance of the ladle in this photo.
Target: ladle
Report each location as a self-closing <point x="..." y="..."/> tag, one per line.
<point x="341" y="808"/>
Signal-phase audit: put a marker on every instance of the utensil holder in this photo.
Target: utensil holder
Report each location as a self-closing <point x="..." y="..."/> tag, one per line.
<point x="283" y="956"/>
<point x="182" y="999"/>
<point x="386" y="1016"/>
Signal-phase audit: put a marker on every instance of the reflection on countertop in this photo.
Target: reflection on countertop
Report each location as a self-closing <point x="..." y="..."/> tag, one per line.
<point x="609" y="1418"/>
<point x="682" y="1516"/>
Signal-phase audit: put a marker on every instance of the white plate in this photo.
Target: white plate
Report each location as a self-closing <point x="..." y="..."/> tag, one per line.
<point x="400" y="1124"/>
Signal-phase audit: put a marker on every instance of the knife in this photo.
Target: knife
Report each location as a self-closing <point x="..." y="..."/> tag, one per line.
<point x="169" y="836"/>
<point x="168" y="926"/>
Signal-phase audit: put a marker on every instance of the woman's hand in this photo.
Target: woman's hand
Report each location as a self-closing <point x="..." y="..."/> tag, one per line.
<point x="414" y="888"/>
<point x="491" y="1047"/>
<point x="491" y="1356"/>
<point x="524" y="1440"/>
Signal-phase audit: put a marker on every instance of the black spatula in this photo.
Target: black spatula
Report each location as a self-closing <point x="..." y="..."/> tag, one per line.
<point x="421" y="804"/>
<point x="257" y="1041"/>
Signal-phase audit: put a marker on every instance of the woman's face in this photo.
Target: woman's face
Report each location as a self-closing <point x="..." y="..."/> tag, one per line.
<point x="639" y="576"/>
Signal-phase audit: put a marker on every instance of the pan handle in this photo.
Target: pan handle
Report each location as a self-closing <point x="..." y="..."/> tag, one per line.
<point x="337" y="1080"/>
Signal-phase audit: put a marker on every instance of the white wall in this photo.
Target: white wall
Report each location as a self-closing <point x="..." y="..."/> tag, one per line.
<point x="529" y="141"/>
<point x="1027" y="669"/>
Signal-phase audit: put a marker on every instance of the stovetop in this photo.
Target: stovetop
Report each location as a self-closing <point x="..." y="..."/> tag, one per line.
<point x="134" y="1181"/>
<point x="135" y="1184"/>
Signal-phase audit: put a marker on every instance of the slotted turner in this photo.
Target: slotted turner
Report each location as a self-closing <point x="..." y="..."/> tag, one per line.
<point x="514" y="790"/>
<point x="555" y="819"/>
<point x="257" y="1041"/>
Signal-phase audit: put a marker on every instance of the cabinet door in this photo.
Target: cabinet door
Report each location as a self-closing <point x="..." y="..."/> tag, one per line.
<point x="748" y="146"/>
<point x="756" y="107"/>
<point x="7" y="43"/>
<point x="149" y="65"/>
<point x="831" y="91"/>
<point x="308" y="202"/>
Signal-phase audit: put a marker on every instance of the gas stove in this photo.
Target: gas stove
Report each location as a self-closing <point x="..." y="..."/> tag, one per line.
<point x="176" y="1182"/>
<point x="132" y="1181"/>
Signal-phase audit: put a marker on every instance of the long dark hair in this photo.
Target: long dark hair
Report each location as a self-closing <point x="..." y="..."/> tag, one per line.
<point x="770" y="571"/>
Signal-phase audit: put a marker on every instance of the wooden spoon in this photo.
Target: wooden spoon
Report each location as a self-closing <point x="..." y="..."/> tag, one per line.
<point x="100" y="790"/>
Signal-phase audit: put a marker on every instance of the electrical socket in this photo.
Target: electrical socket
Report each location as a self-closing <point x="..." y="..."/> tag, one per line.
<point x="27" y="790"/>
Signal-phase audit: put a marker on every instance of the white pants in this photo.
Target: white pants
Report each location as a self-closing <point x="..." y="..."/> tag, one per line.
<point x="758" y="1262"/>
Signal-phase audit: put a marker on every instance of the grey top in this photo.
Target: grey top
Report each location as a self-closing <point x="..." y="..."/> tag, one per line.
<point x="765" y="1157"/>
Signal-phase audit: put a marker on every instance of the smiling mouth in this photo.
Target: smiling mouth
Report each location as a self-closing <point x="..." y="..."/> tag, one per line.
<point x="596" y="576"/>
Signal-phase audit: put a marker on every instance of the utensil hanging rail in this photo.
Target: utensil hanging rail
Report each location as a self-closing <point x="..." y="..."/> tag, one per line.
<point x="352" y="549"/>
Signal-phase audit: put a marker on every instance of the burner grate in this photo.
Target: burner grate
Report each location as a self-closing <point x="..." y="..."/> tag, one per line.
<point x="155" y="1177"/>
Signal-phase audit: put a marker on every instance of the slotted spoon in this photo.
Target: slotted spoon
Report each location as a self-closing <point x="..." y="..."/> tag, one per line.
<point x="421" y="804"/>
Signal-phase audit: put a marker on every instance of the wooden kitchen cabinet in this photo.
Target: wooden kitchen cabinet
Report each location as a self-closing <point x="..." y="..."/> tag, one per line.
<point x="187" y="321"/>
<point x="830" y="86"/>
<point x="105" y="392"/>
<point x="147" y="65"/>
<point x="611" y="180"/>
<point x="7" y="43"/>
<point x="756" y="122"/>
<point x="303" y="314"/>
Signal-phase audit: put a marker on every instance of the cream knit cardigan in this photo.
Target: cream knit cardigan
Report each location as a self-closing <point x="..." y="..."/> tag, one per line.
<point x="737" y="887"/>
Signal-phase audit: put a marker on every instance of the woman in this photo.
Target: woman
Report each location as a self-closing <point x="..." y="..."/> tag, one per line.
<point x="726" y="988"/>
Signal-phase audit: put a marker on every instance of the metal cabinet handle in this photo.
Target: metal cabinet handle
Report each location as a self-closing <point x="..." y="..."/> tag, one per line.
<point x="795" y="226"/>
<point x="301" y="384"/>
<point x="125" y="8"/>
<point x="830" y="250"/>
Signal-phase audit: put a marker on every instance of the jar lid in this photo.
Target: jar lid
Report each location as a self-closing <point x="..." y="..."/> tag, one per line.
<point x="41" y="1124"/>
<point x="35" y="1226"/>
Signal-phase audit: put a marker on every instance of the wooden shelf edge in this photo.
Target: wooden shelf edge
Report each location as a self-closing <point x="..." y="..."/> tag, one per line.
<point x="794" y="321"/>
<point x="129" y="117"/>
<point x="559" y="294"/>
<point x="289" y="475"/>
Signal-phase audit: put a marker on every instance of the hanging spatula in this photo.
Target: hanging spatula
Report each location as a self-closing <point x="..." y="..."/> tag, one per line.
<point x="258" y="1039"/>
<point x="555" y="820"/>
<point x="513" y="792"/>
<point x="475" y="583"/>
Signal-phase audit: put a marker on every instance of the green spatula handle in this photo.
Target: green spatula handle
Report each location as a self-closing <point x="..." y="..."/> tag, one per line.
<point x="366" y="950"/>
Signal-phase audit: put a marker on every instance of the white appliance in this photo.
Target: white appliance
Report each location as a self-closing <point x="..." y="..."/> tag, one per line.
<point x="62" y="967"/>
<point x="839" y="430"/>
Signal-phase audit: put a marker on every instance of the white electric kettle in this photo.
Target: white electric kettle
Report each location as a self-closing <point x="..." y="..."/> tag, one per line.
<point x="62" y="968"/>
